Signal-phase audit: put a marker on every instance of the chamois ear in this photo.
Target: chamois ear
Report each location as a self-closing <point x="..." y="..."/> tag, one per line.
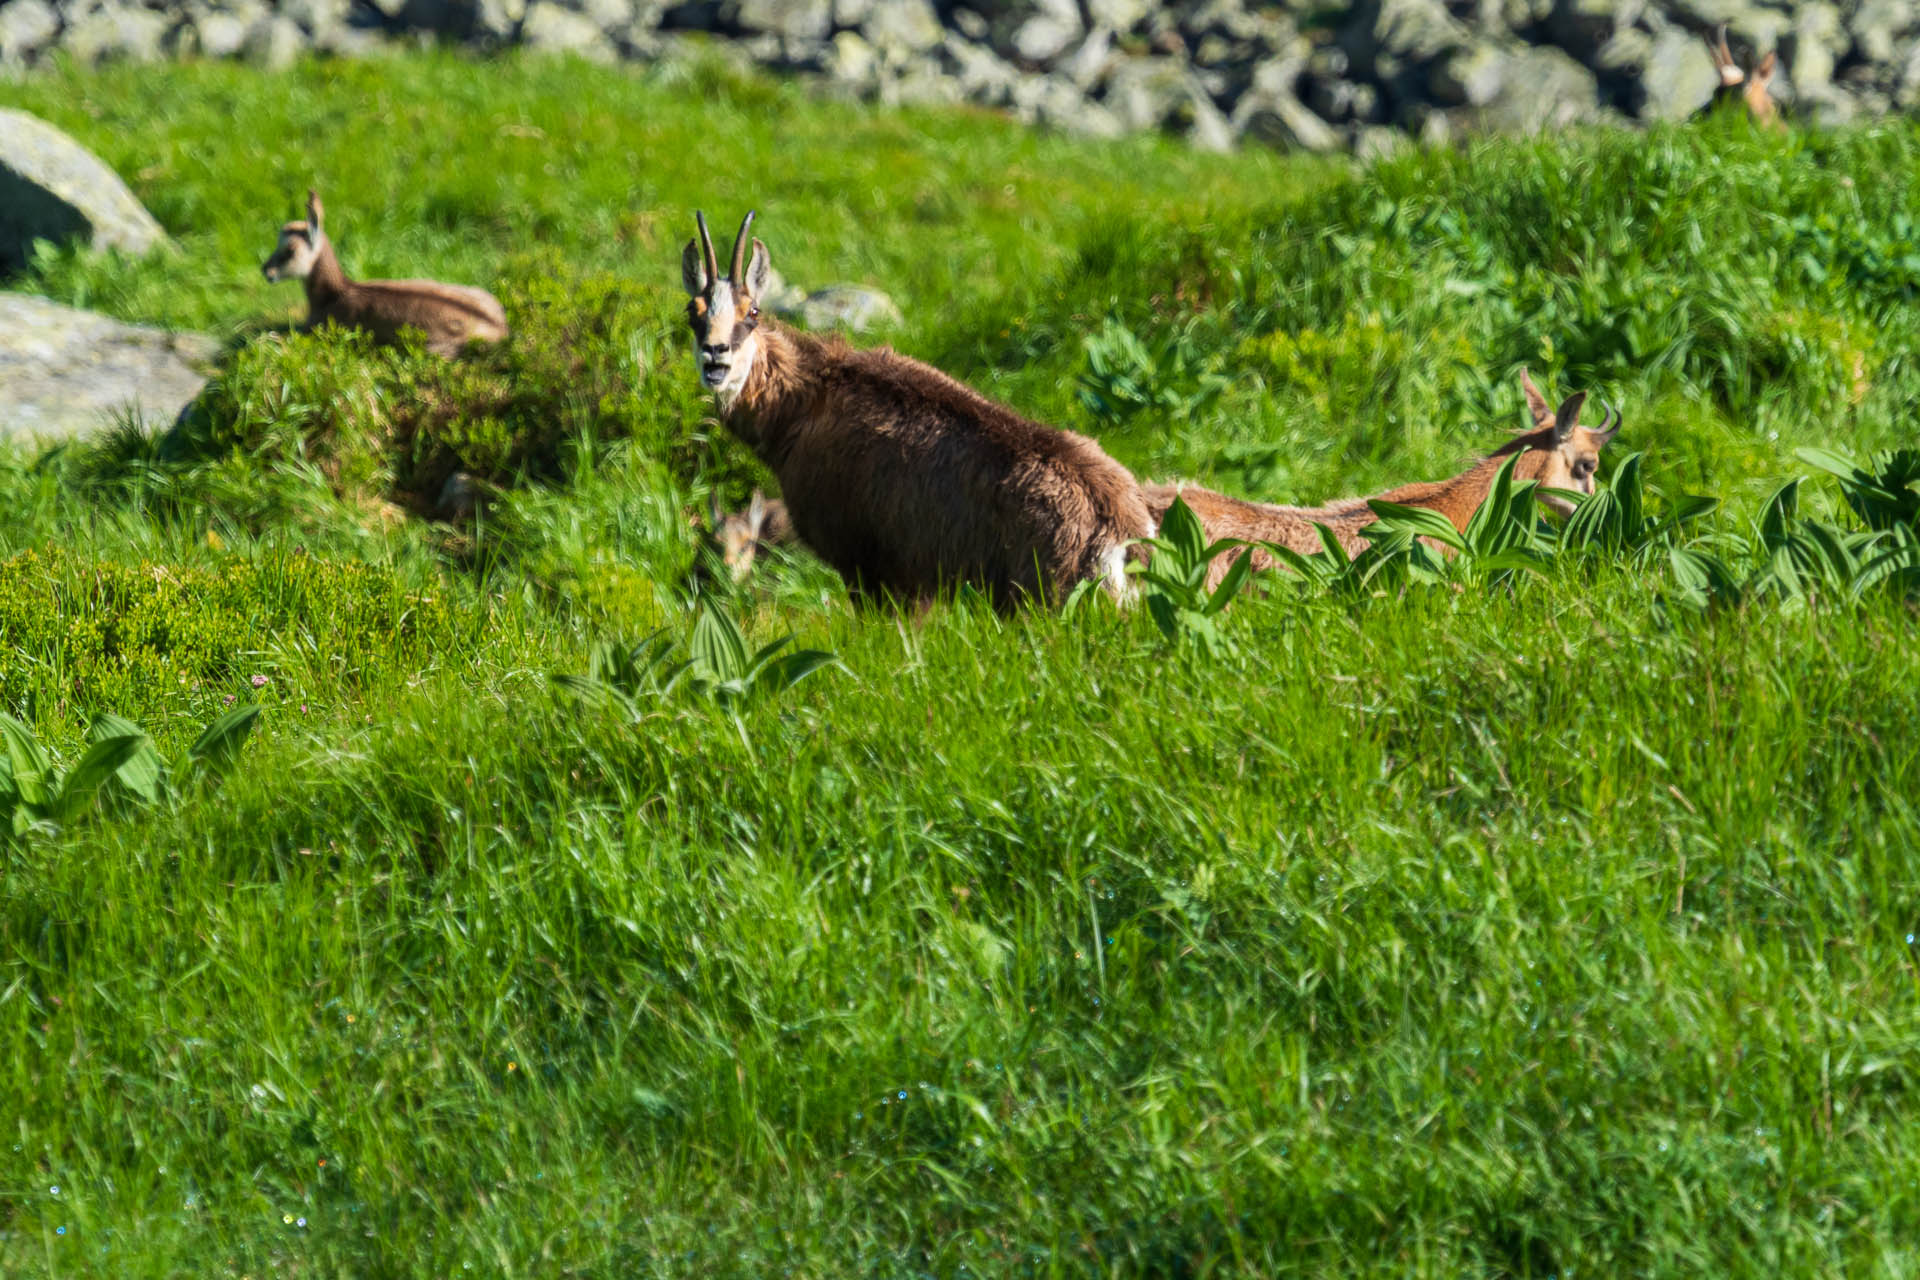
<point x="1763" y="69"/>
<point x="1567" y="416"/>
<point x="313" y="212"/>
<point x="1536" y="403"/>
<point x="693" y="273"/>
<point x="759" y="271"/>
<point x="1723" y="58"/>
<point x="757" y="512"/>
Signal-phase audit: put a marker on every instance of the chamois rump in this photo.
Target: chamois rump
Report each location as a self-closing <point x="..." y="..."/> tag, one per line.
<point x="1558" y="453"/>
<point x="903" y="480"/>
<point x="1752" y="91"/>
<point x="451" y="315"/>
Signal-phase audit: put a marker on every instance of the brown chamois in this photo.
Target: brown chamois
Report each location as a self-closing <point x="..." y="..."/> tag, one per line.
<point x="451" y="315"/>
<point x="1558" y="453"/>
<point x="904" y="481"/>
<point x="1736" y="85"/>
<point x="741" y="535"/>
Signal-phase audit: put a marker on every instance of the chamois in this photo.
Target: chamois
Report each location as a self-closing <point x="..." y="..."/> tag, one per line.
<point x="1557" y="454"/>
<point x="740" y="535"/>
<point x="904" y="481"/>
<point x="1737" y="85"/>
<point x="451" y="315"/>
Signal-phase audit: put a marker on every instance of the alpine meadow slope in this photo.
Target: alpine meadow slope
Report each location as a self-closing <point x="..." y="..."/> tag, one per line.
<point x="1544" y="910"/>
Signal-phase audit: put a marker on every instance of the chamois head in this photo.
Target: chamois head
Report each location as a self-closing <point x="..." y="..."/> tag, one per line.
<point x="1753" y="90"/>
<point x="1559" y="453"/>
<point x="725" y="312"/>
<point x="738" y="533"/>
<point x="299" y="247"/>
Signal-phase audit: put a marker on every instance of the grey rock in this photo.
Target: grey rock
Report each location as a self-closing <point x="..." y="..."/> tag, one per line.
<point x="1817" y="43"/>
<point x="1679" y="77"/>
<point x="1046" y="35"/>
<point x="1471" y="77"/>
<point x="1087" y="65"/>
<point x="316" y="16"/>
<point x="1374" y="143"/>
<point x="549" y="28"/>
<point x="1410" y="31"/>
<point x="1543" y="89"/>
<point x="901" y="28"/>
<point x="1581" y="27"/>
<point x="65" y="372"/>
<point x="852" y="60"/>
<point x="1209" y="130"/>
<point x="982" y="75"/>
<point x="26" y="27"/>
<point x="851" y="13"/>
<point x="494" y="20"/>
<point x="53" y="188"/>
<point x="919" y="84"/>
<point x="221" y="33"/>
<point x="1877" y="26"/>
<point x="970" y="24"/>
<point x="274" y="42"/>
<point x="609" y="15"/>
<point x="1279" y="119"/>
<point x="115" y="32"/>
<point x="1144" y="93"/>
<point x="1118" y="15"/>
<point x="849" y="306"/>
<point x="801" y="19"/>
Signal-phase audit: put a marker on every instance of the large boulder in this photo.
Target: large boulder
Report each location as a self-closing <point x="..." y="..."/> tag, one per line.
<point x="1679" y="77"/>
<point x="1542" y="88"/>
<point x="53" y="188"/>
<point x="26" y="27"/>
<point x="65" y="372"/>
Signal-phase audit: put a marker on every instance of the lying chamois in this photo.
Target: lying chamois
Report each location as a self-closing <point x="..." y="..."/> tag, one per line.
<point x="1558" y="453"/>
<point x="451" y="315"/>
<point x="902" y="479"/>
<point x="1737" y="85"/>
<point x="741" y="535"/>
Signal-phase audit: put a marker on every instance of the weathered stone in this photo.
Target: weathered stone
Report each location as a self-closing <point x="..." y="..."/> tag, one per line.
<point x="1373" y="143"/>
<point x="1118" y="15"/>
<point x="26" y="27"/>
<point x="1818" y="42"/>
<point x="982" y="75"/>
<point x="548" y="28"/>
<point x="1581" y="27"/>
<point x="804" y="19"/>
<point x="1408" y="31"/>
<point x="1087" y="65"/>
<point x="970" y="24"/>
<point x="609" y="15"/>
<point x="1145" y="92"/>
<point x="1543" y="89"/>
<point x="53" y="188"/>
<point x="316" y="15"/>
<point x="1878" y="24"/>
<point x="274" y="42"/>
<point x="1209" y="129"/>
<point x="901" y="28"/>
<point x="65" y="372"/>
<point x="851" y="13"/>
<point x="115" y="32"/>
<point x="1279" y="119"/>
<point x="1471" y="77"/>
<point x="1046" y="35"/>
<point x="1679" y="77"/>
<point x="852" y="60"/>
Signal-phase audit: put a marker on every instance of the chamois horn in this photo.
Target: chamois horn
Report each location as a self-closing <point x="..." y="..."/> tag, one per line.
<point x="706" y="248"/>
<point x="738" y="274"/>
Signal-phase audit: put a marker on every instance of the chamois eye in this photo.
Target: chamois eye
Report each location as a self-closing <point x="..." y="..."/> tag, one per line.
<point x="1583" y="468"/>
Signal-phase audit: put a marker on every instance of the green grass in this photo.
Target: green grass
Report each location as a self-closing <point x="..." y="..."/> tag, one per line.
<point x="1547" y="929"/>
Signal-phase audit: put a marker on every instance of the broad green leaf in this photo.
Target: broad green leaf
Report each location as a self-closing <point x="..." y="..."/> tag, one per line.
<point x="1182" y="531"/>
<point x="795" y="667"/>
<point x="716" y="646"/>
<point x="218" y="745"/>
<point x="143" y="772"/>
<point x="1418" y="521"/>
<point x="82" y="782"/>
<point x="29" y="762"/>
<point x="1231" y="583"/>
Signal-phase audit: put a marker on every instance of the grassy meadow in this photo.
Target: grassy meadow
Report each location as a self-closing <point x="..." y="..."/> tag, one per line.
<point x="1461" y="921"/>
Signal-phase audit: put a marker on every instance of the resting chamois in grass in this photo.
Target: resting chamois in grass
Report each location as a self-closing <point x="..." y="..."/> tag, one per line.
<point x="741" y="535"/>
<point x="906" y="482"/>
<point x="1558" y="453"/>
<point x="1752" y="91"/>
<point x="451" y="315"/>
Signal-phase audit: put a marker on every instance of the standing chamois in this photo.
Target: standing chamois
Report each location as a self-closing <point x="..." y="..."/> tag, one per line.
<point x="451" y="315"/>
<point x="1737" y="86"/>
<point x="1558" y="453"/>
<point x="904" y="481"/>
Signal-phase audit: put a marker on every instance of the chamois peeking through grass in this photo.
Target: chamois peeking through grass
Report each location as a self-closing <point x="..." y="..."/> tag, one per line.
<point x="1753" y="90"/>
<point x="451" y="315"/>
<point x="740" y="536"/>
<point x="903" y="480"/>
<point x="1558" y="453"/>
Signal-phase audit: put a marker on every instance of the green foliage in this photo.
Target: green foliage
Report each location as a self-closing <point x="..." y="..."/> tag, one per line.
<point x="36" y="794"/>
<point x="1175" y="377"/>
<point x="1174" y="581"/>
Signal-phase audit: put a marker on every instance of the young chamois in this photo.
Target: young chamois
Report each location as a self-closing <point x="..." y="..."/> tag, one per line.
<point x="741" y="535"/>
<point x="451" y="315"/>
<point x="904" y="481"/>
<point x="1736" y="85"/>
<point x="1558" y="453"/>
